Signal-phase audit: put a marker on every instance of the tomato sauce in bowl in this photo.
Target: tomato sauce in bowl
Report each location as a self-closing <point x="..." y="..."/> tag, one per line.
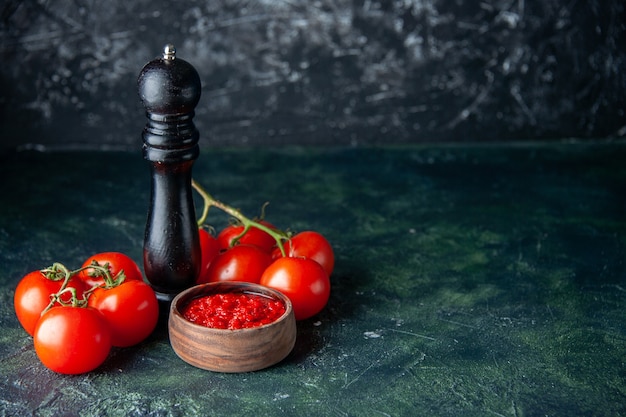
<point x="233" y="310"/>
<point x="231" y="326"/>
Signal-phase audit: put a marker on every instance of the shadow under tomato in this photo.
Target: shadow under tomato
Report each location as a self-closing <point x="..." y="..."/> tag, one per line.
<point x="307" y="343"/>
<point x="313" y="334"/>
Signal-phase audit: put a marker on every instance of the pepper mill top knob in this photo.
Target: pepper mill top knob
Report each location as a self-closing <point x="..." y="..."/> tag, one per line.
<point x="169" y="85"/>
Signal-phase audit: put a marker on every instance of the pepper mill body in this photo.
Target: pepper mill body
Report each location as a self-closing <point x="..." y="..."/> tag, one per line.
<point x="169" y="88"/>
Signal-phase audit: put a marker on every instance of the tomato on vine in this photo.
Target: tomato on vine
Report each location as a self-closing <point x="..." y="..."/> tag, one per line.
<point x="310" y="244"/>
<point x="115" y="262"/>
<point x="32" y="295"/>
<point x="303" y="281"/>
<point x="253" y="236"/>
<point x="239" y="263"/>
<point x="131" y="309"/>
<point x="302" y="265"/>
<point x="209" y="248"/>
<point x="72" y="340"/>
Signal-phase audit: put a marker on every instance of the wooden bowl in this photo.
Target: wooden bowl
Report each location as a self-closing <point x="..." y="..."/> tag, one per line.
<point x="224" y="350"/>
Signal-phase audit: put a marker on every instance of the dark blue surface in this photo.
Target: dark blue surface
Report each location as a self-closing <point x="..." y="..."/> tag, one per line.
<point x="474" y="281"/>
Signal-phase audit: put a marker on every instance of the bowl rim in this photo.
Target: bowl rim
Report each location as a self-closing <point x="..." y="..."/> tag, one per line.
<point x="222" y="287"/>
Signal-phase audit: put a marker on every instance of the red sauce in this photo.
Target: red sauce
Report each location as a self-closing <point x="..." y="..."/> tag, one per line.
<point x="233" y="310"/>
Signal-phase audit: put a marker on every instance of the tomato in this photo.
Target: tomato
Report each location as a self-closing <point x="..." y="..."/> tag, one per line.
<point x="116" y="262"/>
<point x="253" y="236"/>
<point x="131" y="310"/>
<point x="210" y="249"/>
<point x="72" y="340"/>
<point x="32" y="296"/>
<point x="239" y="263"/>
<point x="311" y="245"/>
<point x="303" y="281"/>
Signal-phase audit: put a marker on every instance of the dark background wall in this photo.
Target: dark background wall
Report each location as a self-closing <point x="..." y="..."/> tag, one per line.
<point x="318" y="72"/>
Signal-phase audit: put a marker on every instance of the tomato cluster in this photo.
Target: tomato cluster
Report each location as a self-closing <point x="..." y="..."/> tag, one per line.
<point x="76" y="317"/>
<point x="298" y="266"/>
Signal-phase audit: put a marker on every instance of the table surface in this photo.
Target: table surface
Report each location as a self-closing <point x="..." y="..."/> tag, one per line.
<point x="469" y="280"/>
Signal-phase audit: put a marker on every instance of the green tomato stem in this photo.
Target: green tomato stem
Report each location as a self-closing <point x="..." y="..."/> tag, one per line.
<point x="103" y="271"/>
<point x="278" y="235"/>
<point x="57" y="272"/>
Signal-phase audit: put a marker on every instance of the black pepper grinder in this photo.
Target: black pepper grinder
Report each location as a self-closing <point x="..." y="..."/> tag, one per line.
<point x="170" y="89"/>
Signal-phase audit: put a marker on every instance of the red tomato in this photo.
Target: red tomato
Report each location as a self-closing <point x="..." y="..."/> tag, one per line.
<point x="72" y="340"/>
<point x="239" y="263"/>
<point x="131" y="310"/>
<point x="311" y="245"/>
<point x="32" y="296"/>
<point x="210" y="249"/>
<point x="116" y="262"/>
<point x="303" y="281"/>
<point x="253" y="236"/>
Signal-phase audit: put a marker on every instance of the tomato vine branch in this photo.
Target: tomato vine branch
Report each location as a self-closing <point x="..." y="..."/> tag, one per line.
<point x="58" y="272"/>
<point x="278" y="235"/>
<point x="103" y="271"/>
